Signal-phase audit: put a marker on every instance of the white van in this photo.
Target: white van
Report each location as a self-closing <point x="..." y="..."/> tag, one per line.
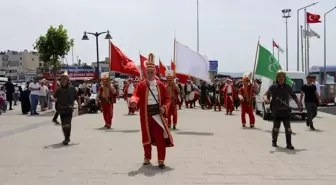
<point x="299" y="80"/>
<point x="3" y="80"/>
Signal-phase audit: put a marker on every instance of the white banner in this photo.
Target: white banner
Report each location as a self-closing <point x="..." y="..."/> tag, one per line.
<point x="189" y="62"/>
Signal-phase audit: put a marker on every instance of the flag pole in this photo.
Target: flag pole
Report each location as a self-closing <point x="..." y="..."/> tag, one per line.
<point x="174" y="54"/>
<point x="254" y="66"/>
<point x="141" y="72"/>
<point x="255" y="58"/>
<point x="308" y="38"/>
<point x="273" y="47"/>
<point x="279" y="55"/>
<point x="305" y="40"/>
<point x="302" y="50"/>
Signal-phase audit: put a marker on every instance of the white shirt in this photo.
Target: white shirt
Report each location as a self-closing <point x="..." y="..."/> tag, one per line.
<point x="152" y="86"/>
<point x="229" y="89"/>
<point x="43" y="91"/>
<point x="35" y="86"/>
<point x="188" y="87"/>
<point x="151" y="101"/>
<point x="318" y="88"/>
<point x="130" y="88"/>
<point x="94" y="88"/>
<point x="16" y="89"/>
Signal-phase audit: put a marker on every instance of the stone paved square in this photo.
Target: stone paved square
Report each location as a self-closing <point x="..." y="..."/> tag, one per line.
<point x="210" y="148"/>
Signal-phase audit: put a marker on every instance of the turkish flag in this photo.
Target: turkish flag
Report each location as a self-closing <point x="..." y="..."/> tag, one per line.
<point x="183" y="79"/>
<point x="162" y="69"/>
<point x="275" y="45"/>
<point x="142" y="64"/>
<point x="313" y="18"/>
<point x="121" y="63"/>
<point x="172" y="66"/>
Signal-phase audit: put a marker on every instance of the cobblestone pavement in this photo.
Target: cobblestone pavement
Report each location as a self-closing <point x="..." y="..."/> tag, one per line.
<point x="211" y="148"/>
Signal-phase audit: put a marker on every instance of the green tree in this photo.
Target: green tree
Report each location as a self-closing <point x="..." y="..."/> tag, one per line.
<point x="53" y="45"/>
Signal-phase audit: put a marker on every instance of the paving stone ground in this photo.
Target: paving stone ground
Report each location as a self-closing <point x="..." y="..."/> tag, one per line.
<point x="211" y="149"/>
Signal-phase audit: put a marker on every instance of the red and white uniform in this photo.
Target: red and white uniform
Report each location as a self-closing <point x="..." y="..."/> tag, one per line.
<point x="229" y="96"/>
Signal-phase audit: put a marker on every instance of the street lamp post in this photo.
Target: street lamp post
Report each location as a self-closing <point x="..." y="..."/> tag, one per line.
<point x="298" y="34"/>
<point x="97" y="34"/>
<point x="325" y="44"/>
<point x="286" y="14"/>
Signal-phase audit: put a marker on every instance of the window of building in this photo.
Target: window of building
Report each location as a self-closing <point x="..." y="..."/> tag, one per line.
<point x="20" y="58"/>
<point x="33" y="59"/>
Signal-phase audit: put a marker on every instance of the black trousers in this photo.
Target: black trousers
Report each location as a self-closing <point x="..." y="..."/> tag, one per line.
<point x="66" y="119"/>
<point x="276" y="127"/>
<point x="56" y="114"/>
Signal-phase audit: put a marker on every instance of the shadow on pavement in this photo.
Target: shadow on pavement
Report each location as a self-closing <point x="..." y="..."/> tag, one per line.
<point x="149" y="171"/>
<point x="123" y="131"/>
<point x="59" y="145"/>
<point x="287" y="151"/>
<point x="196" y="133"/>
<point x="249" y="128"/>
<point x="281" y="132"/>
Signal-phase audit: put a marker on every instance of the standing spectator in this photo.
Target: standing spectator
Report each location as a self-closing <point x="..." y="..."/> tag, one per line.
<point x="43" y="95"/>
<point x="34" y="88"/>
<point x="24" y="98"/>
<point x="16" y="93"/>
<point x="9" y="86"/>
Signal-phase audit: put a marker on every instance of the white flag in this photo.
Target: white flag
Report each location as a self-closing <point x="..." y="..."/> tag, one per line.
<point x="314" y="34"/>
<point x="310" y="33"/>
<point x="281" y="50"/>
<point x="189" y="62"/>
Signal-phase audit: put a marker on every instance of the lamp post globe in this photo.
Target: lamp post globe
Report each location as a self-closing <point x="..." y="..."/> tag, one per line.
<point x="85" y="37"/>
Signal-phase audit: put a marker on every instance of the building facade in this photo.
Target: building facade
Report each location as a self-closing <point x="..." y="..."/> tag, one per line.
<point x="19" y="65"/>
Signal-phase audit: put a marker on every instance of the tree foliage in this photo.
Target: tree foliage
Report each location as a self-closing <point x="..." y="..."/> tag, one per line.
<point x="53" y="45"/>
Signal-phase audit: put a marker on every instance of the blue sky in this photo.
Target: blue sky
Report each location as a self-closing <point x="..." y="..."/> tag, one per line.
<point x="229" y="30"/>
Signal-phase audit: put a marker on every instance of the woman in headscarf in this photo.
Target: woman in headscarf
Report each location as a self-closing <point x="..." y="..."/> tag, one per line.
<point x="24" y="98"/>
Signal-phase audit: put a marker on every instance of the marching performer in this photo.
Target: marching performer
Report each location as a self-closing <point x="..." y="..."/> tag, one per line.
<point x="65" y="95"/>
<point x="172" y="89"/>
<point x="107" y="96"/>
<point x="203" y="97"/>
<point x="217" y="92"/>
<point x="154" y="100"/>
<point x="229" y="96"/>
<point x="246" y="98"/>
<point x="129" y="89"/>
<point x="180" y="94"/>
<point x="188" y="89"/>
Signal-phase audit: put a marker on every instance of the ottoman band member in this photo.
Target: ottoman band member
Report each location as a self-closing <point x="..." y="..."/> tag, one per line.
<point x="129" y="89"/>
<point x="153" y="98"/>
<point x="229" y="96"/>
<point x="65" y="95"/>
<point x="246" y="99"/>
<point x="107" y="95"/>
<point x="173" y="92"/>
<point x="280" y="93"/>
<point x="188" y="88"/>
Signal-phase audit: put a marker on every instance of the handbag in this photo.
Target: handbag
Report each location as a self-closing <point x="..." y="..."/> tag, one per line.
<point x="153" y="109"/>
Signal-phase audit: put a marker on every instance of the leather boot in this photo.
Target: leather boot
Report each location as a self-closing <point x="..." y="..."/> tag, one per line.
<point x="274" y="138"/>
<point x="289" y="141"/>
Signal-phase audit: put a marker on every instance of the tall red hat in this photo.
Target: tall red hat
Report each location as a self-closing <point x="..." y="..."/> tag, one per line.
<point x="150" y="63"/>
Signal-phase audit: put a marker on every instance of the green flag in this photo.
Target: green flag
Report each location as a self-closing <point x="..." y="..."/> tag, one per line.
<point x="267" y="65"/>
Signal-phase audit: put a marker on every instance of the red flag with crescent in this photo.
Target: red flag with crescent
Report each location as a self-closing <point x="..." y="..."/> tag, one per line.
<point x="119" y="62"/>
<point x="313" y="18"/>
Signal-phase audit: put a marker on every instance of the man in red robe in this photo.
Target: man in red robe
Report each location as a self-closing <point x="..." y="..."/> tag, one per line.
<point x="173" y="92"/>
<point x="153" y="98"/>
<point x="229" y="96"/>
<point x="246" y="99"/>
